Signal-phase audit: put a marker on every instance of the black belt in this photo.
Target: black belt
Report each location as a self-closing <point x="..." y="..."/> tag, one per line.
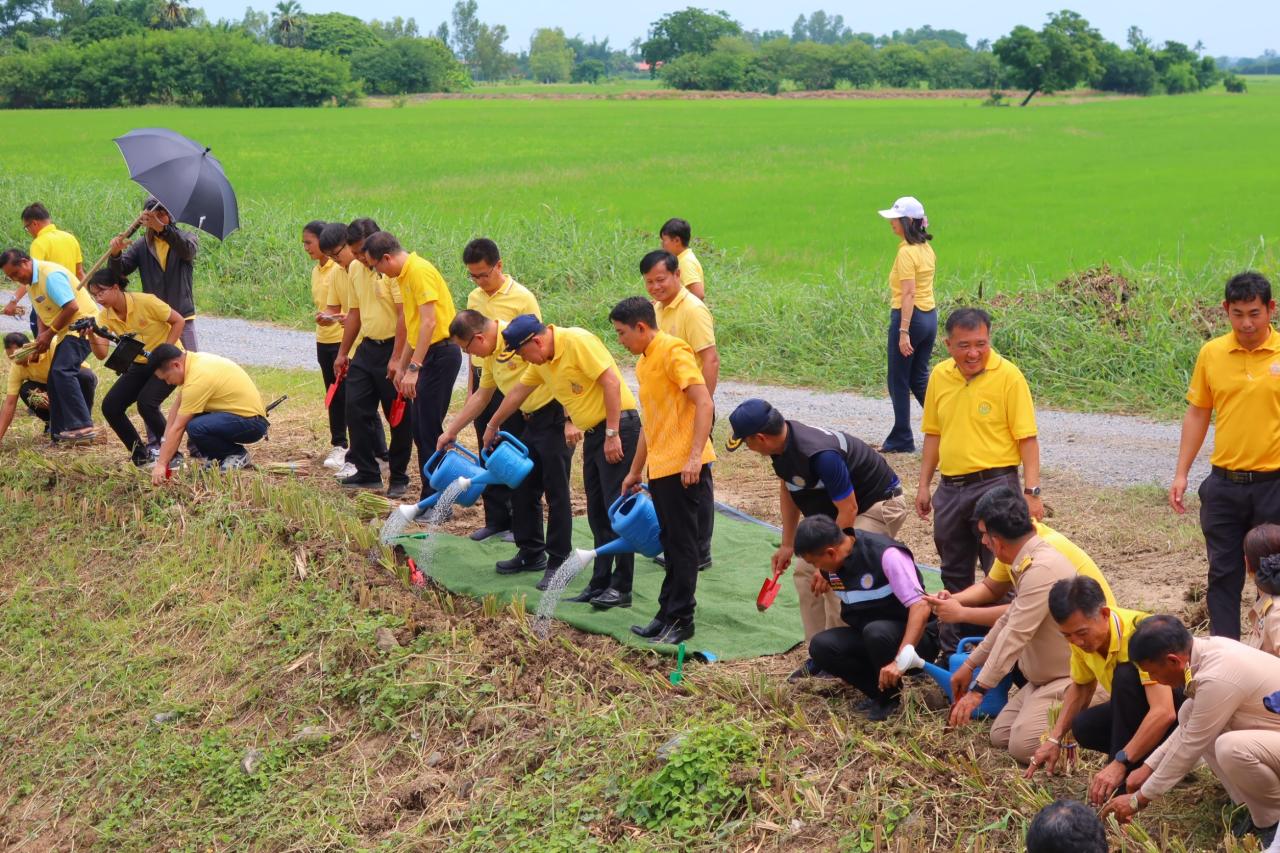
<point x="1245" y="477"/>
<point x="979" y="476"/>
<point x="442" y="343"/>
<point x="628" y="415"/>
<point x="383" y="342"/>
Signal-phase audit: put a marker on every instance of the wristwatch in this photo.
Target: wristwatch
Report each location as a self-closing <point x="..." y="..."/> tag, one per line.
<point x="979" y="689"/>
<point x="1133" y="802"/>
<point x="610" y="433"/>
<point x="413" y="368"/>
<point x="1121" y="756"/>
<point x="1034" y="491"/>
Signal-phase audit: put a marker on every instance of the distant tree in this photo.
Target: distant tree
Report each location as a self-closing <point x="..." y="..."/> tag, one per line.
<point x="1129" y="71"/>
<point x="288" y="24"/>
<point x="465" y="30"/>
<point x="491" y="60"/>
<point x="902" y="66"/>
<point x="407" y="65"/>
<point x="821" y="28"/>
<point x="982" y="46"/>
<point x="1060" y="56"/>
<point x="105" y="27"/>
<point x="255" y="24"/>
<point x="334" y="32"/>
<point x="588" y="71"/>
<point x="442" y="32"/>
<point x="951" y="38"/>
<point x="550" y="57"/>
<point x="172" y="15"/>
<point x="395" y="28"/>
<point x="688" y="31"/>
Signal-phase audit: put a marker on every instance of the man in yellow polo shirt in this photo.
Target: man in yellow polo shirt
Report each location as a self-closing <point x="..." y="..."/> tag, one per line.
<point x="497" y="296"/>
<point x="429" y="362"/>
<point x="218" y="408"/>
<point x="59" y="302"/>
<point x="1237" y="375"/>
<point x="675" y="445"/>
<point x="675" y="235"/>
<point x="542" y="426"/>
<point x="48" y="243"/>
<point x="979" y="423"/>
<point x="584" y="378"/>
<point x="28" y="381"/>
<point x="1140" y="712"/>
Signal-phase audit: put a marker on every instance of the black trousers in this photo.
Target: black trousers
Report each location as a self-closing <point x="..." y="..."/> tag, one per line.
<point x="88" y="384"/>
<point x="1227" y="512"/>
<point x="706" y="517"/>
<point x="1106" y="728"/>
<point x="136" y="385"/>
<point x="497" y="497"/>
<point x="602" y="481"/>
<point x="367" y="388"/>
<point x="70" y="408"/>
<point x="858" y="653"/>
<point x="543" y="433"/>
<point x="326" y="354"/>
<point x="435" y="388"/>
<point x="680" y="512"/>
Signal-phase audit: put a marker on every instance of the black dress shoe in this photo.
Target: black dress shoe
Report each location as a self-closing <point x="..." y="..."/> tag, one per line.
<point x="355" y="481"/>
<point x="704" y="564"/>
<point x="396" y="490"/>
<point x="586" y="595"/>
<point x="484" y="533"/>
<point x="611" y="598"/>
<point x="521" y="562"/>
<point x="661" y="560"/>
<point x="653" y="629"/>
<point x="673" y="634"/>
<point x="883" y="709"/>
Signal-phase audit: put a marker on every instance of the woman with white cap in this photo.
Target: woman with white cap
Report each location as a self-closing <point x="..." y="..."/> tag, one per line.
<point x="913" y="320"/>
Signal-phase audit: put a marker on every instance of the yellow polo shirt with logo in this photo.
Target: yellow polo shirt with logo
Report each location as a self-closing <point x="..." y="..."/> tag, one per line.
<point x="689" y="319"/>
<point x="1090" y="667"/>
<point x="914" y="261"/>
<point x="342" y="294"/>
<point x="1002" y="572"/>
<point x="691" y="269"/>
<point x="216" y="384"/>
<point x="321" y="290"/>
<point x="52" y="244"/>
<point x="502" y="369"/>
<point x="146" y="316"/>
<point x="506" y="303"/>
<point x="46" y="308"/>
<point x="420" y="284"/>
<point x="980" y="421"/>
<point x="577" y="361"/>
<point x="34" y="372"/>
<point x="1243" y="388"/>
<point x="379" y="301"/>
<point x="665" y="370"/>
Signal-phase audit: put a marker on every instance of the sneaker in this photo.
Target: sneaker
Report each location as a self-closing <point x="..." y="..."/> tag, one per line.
<point x="336" y="458"/>
<point x="355" y="481"/>
<point x="397" y="490"/>
<point x="236" y="461"/>
<point x="808" y="669"/>
<point x="345" y="471"/>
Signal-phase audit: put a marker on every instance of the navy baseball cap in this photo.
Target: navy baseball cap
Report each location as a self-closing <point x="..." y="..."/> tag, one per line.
<point x="748" y="419"/>
<point x="521" y="330"/>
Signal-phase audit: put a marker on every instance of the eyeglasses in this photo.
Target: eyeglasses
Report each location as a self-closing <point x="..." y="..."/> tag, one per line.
<point x="467" y="346"/>
<point x="476" y="276"/>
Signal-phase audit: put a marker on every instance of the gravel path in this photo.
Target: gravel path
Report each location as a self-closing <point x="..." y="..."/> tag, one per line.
<point x="1105" y="450"/>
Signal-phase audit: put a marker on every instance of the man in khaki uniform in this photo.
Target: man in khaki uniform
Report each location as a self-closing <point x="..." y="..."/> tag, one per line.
<point x="821" y="472"/>
<point x="1227" y="719"/>
<point x="1025" y="635"/>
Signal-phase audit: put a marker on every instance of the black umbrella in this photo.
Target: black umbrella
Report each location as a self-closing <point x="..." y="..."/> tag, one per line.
<point x="188" y="182"/>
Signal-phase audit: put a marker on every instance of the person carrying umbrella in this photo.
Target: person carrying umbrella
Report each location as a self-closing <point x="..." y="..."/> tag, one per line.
<point x="164" y="258"/>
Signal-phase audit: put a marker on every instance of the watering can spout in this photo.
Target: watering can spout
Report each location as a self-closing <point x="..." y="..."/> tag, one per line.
<point x="908" y="659"/>
<point x="584" y="555"/>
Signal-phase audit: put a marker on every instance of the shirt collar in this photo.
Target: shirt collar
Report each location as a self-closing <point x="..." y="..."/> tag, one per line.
<point x="1023" y="558"/>
<point x="47" y="229"/>
<point x="557" y="342"/>
<point x="679" y="297"/>
<point x="1271" y="344"/>
<point x="654" y="344"/>
<point x="994" y="362"/>
<point x="1117" y="633"/>
<point x="35" y="271"/>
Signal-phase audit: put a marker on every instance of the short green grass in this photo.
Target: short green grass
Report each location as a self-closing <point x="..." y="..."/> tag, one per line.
<point x="1175" y="192"/>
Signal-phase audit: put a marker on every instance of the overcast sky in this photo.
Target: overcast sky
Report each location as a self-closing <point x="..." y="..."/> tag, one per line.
<point x="1227" y="27"/>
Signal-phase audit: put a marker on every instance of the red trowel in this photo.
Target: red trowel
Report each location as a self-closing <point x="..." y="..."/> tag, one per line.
<point x="768" y="592"/>
<point x="397" y="411"/>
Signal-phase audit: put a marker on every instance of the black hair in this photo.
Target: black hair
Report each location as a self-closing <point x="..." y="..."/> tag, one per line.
<point x="1158" y="636"/>
<point x="968" y="318"/>
<point x="361" y="228"/>
<point x="34" y="212"/>
<point x="659" y="256"/>
<point x="380" y="244"/>
<point x="1248" y="286"/>
<point x="153" y="204"/>
<point x="913" y="230"/>
<point x="1080" y="594"/>
<point x="16" y="339"/>
<point x="678" y="228"/>
<point x="481" y="249"/>
<point x="1005" y="513"/>
<point x="817" y="533"/>
<point x="774" y="423"/>
<point x="1066" y="826"/>
<point x="467" y="323"/>
<point x="107" y="277"/>
<point x="634" y="310"/>
<point x="315" y="227"/>
<point x="162" y="355"/>
<point x="13" y="256"/>
<point x="333" y="236"/>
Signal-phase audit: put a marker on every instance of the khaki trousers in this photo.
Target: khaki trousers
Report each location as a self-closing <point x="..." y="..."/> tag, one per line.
<point x="1247" y="763"/>
<point x="819" y="614"/>
<point x="1020" y="724"/>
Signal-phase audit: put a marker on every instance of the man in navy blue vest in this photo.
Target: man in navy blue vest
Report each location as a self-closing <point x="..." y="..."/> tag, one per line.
<point x="882" y="604"/>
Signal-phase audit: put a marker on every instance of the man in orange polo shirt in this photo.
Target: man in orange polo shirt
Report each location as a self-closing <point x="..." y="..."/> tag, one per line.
<point x="1238" y="376"/>
<point x="675" y="445"/>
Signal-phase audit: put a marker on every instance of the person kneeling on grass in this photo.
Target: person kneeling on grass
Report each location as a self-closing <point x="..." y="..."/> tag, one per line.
<point x="882" y="602"/>
<point x="675" y="445"/>
<point x="218" y="407"/>
<point x="29" y="381"/>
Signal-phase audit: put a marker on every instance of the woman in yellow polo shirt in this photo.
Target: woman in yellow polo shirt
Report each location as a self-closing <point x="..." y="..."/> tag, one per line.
<point x="328" y="341"/>
<point x="154" y="323"/>
<point x="913" y="318"/>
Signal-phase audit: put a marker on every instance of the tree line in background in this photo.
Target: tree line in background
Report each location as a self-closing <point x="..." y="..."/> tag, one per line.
<point x="94" y="53"/>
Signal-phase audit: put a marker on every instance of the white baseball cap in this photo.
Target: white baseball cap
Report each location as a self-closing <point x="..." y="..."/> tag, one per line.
<point x="908" y="206"/>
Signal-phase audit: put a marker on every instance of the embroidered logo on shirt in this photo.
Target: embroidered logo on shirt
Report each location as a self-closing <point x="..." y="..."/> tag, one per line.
<point x="1275" y="368"/>
<point x="866" y="581"/>
<point x="39" y="299"/>
<point x="797" y="480"/>
<point x="984" y="408"/>
<point x="834" y="580"/>
<point x="575" y="387"/>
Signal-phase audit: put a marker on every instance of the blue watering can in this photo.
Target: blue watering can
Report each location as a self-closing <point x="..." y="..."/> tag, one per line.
<point x="992" y="703"/>
<point x="508" y="463"/>
<point x="636" y="522"/>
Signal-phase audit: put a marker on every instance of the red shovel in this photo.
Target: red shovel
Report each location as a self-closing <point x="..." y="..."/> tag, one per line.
<point x="768" y="592"/>
<point x="333" y="389"/>
<point x="397" y="412"/>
